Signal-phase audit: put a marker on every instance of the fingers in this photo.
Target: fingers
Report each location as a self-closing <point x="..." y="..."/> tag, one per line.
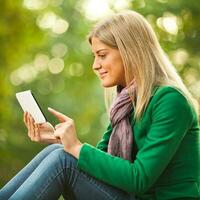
<point x="40" y="132"/>
<point x="61" y="117"/>
<point x="58" y="126"/>
<point x="37" y="131"/>
<point x="33" y="128"/>
<point x="25" y="119"/>
<point x="50" y="125"/>
<point x="28" y="125"/>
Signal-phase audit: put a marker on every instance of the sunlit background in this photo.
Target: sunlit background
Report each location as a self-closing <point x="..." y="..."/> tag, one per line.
<point x="44" y="48"/>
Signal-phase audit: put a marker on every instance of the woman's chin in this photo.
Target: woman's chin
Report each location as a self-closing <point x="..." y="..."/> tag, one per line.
<point x="107" y="84"/>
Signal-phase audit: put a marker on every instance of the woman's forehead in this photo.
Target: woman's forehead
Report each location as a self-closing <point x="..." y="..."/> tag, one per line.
<point x="97" y="45"/>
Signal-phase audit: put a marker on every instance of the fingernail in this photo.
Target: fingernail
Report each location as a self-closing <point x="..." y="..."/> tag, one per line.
<point x="50" y="109"/>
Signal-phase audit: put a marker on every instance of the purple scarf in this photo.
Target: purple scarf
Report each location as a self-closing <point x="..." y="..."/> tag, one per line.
<point x="121" y="139"/>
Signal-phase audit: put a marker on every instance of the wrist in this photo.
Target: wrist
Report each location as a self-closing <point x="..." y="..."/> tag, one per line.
<point x="75" y="150"/>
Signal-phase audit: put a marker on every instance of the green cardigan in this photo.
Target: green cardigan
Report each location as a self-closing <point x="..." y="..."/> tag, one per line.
<point x="167" y="152"/>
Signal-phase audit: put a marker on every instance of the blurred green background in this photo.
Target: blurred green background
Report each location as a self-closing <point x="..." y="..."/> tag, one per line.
<point x="43" y="47"/>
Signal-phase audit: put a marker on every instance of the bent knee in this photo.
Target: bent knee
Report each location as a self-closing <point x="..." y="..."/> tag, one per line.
<point x="61" y="156"/>
<point x="53" y="147"/>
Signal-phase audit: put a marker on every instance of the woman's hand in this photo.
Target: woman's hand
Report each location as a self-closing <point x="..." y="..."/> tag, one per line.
<point x="66" y="132"/>
<point x="43" y="133"/>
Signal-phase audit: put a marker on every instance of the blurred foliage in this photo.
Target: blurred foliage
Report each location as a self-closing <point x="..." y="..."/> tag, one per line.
<point x="33" y="54"/>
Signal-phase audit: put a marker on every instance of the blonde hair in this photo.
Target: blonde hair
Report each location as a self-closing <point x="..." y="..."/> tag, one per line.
<point x="142" y="56"/>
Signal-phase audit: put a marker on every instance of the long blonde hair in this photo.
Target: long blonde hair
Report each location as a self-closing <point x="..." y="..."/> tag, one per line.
<point x="142" y="56"/>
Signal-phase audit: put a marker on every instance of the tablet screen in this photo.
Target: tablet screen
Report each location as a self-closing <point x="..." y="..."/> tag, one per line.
<point x="29" y="104"/>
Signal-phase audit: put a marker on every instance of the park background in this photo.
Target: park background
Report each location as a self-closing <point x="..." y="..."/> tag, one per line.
<point x="43" y="47"/>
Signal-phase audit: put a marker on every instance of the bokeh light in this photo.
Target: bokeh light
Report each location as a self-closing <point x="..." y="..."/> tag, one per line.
<point x="119" y="5"/>
<point x="76" y="69"/>
<point x="41" y="4"/>
<point x="41" y="62"/>
<point x="35" y="4"/>
<point x="169" y="23"/>
<point x="180" y="57"/>
<point x="50" y="20"/>
<point x="56" y="2"/>
<point x="95" y="9"/>
<point x="59" y="50"/>
<point x="24" y="74"/>
<point x="56" y="65"/>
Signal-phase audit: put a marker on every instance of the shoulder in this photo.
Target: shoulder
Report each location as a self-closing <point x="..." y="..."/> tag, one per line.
<point x="164" y="94"/>
<point x="167" y="100"/>
<point x="167" y="91"/>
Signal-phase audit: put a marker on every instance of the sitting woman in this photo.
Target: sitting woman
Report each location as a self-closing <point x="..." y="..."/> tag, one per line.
<point x="151" y="148"/>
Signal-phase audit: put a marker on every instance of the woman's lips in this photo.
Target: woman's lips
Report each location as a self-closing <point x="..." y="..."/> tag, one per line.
<point x="102" y="75"/>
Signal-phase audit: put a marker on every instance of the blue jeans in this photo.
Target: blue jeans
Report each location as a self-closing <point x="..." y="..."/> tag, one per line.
<point x="53" y="173"/>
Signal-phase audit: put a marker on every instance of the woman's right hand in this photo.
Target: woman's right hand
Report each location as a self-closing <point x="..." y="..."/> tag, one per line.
<point x="43" y="133"/>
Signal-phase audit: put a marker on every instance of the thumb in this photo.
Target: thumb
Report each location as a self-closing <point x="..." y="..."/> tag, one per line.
<point x="61" y="117"/>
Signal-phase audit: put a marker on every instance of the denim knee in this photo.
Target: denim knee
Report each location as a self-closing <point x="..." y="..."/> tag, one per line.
<point x="52" y="147"/>
<point x="60" y="156"/>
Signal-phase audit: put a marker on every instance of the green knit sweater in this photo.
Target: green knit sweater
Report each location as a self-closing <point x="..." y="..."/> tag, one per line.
<point x="166" y="152"/>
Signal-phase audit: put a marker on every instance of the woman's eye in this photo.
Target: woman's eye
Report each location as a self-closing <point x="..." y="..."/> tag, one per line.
<point x="102" y="56"/>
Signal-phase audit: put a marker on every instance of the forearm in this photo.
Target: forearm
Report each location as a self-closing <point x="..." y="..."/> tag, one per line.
<point x="75" y="150"/>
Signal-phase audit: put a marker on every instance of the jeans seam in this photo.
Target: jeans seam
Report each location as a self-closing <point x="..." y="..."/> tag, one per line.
<point x="93" y="181"/>
<point x="46" y="187"/>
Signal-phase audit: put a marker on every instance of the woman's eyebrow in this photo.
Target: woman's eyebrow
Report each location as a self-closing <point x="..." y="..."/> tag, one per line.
<point x="99" y="50"/>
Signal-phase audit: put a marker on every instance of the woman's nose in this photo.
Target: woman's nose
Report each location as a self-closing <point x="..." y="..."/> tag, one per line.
<point x="96" y="65"/>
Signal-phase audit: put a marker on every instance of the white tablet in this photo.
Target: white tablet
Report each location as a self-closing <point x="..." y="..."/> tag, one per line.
<point x="29" y="104"/>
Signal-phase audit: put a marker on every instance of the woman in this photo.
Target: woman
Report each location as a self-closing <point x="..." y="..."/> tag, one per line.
<point x="151" y="148"/>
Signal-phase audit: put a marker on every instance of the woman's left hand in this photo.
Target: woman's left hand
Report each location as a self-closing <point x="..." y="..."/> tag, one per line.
<point x="66" y="132"/>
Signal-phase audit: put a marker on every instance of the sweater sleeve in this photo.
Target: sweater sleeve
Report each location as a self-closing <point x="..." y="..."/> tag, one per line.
<point x="171" y="118"/>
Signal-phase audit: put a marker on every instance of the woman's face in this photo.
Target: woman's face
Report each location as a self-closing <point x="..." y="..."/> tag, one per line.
<point x="108" y="65"/>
